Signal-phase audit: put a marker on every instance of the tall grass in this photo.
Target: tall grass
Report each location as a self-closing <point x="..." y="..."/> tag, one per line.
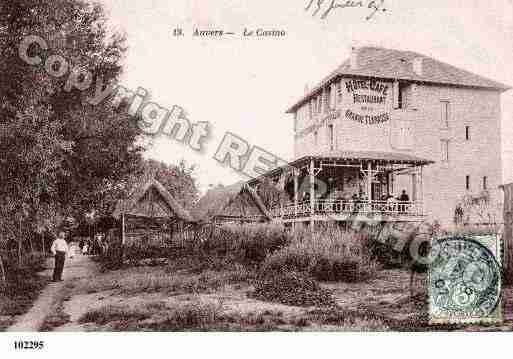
<point x="22" y="285"/>
<point x="248" y="244"/>
<point x="193" y="316"/>
<point x="243" y="244"/>
<point x="331" y="254"/>
<point x="139" y="280"/>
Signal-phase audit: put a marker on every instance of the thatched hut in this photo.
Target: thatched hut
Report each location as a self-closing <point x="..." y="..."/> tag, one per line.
<point x="237" y="203"/>
<point x="151" y="211"/>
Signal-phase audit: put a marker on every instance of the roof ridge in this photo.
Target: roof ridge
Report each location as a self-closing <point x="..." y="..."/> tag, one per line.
<point x="385" y="66"/>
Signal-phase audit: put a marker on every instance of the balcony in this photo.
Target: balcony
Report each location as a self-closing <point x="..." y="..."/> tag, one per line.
<point x="336" y="210"/>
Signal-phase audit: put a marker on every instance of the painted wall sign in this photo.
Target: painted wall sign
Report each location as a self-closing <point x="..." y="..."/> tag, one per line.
<point x="367" y="119"/>
<point x="329" y="118"/>
<point x="369" y="101"/>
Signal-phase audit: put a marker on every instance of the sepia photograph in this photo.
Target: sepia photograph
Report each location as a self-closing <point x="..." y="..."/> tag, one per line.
<point x="251" y="166"/>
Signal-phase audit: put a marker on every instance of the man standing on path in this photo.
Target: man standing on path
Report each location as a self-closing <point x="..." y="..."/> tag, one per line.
<point x="59" y="250"/>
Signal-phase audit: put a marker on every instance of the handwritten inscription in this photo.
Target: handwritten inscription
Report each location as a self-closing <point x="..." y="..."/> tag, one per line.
<point x="326" y="7"/>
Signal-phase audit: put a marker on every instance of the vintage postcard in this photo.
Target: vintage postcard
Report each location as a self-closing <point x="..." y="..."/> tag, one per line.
<point x="249" y="166"/>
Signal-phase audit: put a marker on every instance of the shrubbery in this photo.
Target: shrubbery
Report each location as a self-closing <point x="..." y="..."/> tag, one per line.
<point x="328" y="255"/>
<point x="292" y="288"/>
<point x="22" y="285"/>
<point x="244" y="244"/>
<point x="249" y="244"/>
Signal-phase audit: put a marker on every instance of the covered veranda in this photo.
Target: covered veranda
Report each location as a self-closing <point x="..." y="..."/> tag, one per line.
<point x="349" y="185"/>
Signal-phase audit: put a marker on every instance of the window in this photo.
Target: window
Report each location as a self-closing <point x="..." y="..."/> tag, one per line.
<point x="467" y="133"/>
<point x="310" y="110"/>
<point x="327" y="98"/>
<point x="445" y="114"/>
<point x="445" y="150"/>
<point x="315" y="137"/>
<point x="400" y="92"/>
<point x="402" y="97"/>
<point x="333" y="97"/>
<point x="467" y="183"/>
<point x="319" y="104"/>
<point x="485" y="183"/>
<point x="332" y="137"/>
<point x="339" y="91"/>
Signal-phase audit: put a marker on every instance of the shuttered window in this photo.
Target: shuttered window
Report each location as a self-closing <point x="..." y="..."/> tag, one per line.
<point x="445" y="150"/>
<point x="445" y="113"/>
<point x="331" y="136"/>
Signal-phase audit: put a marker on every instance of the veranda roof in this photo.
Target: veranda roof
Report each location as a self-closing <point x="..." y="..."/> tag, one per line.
<point x="377" y="156"/>
<point x="352" y="157"/>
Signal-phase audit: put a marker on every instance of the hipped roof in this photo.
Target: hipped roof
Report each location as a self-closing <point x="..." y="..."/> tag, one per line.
<point x="381" y="63"/>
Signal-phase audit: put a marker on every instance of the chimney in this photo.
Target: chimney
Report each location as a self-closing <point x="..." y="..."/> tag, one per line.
<point x="417" y="66"/>
<point x="307" y="89"/>
<point x="354" y="58"/>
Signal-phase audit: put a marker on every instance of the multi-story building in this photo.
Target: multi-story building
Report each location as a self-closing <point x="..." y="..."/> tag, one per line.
<point x="388" y="123"/>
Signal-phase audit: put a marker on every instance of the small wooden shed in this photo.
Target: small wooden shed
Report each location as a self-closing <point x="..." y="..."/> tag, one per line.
<point x="237" y="203"/>
<point x="150" y="212"/>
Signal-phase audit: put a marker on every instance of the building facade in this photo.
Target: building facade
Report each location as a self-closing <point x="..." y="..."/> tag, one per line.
<point x="397" y="103"/>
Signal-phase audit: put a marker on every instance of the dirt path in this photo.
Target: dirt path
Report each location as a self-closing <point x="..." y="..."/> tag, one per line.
<point x="77" y="267"/>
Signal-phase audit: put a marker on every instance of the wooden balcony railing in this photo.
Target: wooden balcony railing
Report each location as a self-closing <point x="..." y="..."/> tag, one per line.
<point x="336" y="207"/>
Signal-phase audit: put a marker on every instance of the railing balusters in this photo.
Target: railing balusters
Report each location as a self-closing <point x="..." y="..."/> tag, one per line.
<point x="324" y="207"/>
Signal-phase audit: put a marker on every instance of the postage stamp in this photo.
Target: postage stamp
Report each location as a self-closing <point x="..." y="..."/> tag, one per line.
<point x="464" y="280"/>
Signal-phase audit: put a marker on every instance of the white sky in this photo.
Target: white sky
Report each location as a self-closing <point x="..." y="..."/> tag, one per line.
<point x="245" y="85"/>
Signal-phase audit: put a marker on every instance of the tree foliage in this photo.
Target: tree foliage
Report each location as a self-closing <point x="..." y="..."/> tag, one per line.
<point x="178" y="179"/>
<point x="59" y="155"/>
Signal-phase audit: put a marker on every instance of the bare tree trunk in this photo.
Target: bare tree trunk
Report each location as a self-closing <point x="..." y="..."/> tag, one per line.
<point x="19" y="252"/>
<point x="31" y="245"/>
<point x="2" y="269"/>
<point x="19" y="243"/>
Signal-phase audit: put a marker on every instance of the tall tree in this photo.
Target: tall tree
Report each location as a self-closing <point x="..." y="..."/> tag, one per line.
<point x="178" y="179"/>
<point x="58" y="153"/>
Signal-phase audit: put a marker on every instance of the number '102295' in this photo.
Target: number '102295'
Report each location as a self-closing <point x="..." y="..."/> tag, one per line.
<point x="29" y="345"/>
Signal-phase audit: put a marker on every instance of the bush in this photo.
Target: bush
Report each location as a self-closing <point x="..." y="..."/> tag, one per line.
<point x="22" y="285"/>
<point x="328" y="255"/>
<point x="292" y="289"/>
<point x="216" y="246"/>
<point x="246" y="244"/>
